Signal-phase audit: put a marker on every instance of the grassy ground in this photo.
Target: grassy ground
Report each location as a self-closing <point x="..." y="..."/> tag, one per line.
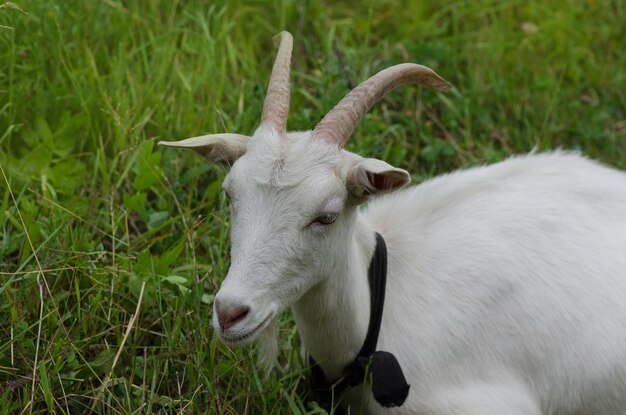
<point x="111" y="250"/>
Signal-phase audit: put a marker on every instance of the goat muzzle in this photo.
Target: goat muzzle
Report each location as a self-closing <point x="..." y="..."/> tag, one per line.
<point x="228" y="316"/>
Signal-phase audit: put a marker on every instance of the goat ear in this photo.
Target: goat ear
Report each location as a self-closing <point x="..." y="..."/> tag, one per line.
<point x="222" y="149"/>
<point x="369" y="177"/>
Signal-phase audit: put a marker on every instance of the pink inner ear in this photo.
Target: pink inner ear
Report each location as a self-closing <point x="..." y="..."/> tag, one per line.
<point x="378" y="181"/>
<point x="386" y="181"/>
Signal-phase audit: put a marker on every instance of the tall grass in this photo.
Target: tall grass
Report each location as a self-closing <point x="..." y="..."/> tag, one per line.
<point x="111" y="250"/>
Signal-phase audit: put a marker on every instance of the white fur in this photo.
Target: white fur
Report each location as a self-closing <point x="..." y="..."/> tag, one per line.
<point x="506" y="286"/>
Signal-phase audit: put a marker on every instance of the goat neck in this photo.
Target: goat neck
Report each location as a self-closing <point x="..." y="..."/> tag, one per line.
<point x="333" y="316"/>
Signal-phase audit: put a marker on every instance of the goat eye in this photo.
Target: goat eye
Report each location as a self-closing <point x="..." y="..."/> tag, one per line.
<point x="327" y="218"/>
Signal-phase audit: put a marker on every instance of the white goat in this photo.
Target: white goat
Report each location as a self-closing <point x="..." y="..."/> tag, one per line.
<point x="506" y="290"/>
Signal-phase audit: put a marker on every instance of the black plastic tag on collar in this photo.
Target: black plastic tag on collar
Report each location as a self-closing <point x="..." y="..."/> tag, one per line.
<point x="389" y="385"/>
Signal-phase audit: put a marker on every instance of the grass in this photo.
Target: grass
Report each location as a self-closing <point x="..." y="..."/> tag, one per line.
<point x="111" y="250"/>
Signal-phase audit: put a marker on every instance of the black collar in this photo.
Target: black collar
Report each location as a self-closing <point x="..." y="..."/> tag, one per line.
<point x="387" y="380"/>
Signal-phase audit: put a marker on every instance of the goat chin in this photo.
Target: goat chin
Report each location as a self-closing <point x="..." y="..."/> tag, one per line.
<point x="267" y="347"/>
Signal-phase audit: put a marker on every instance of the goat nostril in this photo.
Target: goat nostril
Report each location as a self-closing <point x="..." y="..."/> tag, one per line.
<point x="230" y="317"/>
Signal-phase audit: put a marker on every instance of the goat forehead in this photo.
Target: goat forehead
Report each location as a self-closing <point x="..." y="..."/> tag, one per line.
<point x="287" y="162"/>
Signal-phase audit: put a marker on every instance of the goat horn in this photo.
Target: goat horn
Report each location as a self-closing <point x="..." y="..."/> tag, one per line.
<point x="276" y="105"/>
<point x="337" y="126"/>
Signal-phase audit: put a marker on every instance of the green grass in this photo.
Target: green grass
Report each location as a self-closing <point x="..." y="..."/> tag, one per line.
<point x="94" y="218"/>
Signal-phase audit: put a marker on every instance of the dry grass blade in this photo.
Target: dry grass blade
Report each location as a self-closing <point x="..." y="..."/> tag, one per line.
<point x="129" y="328"/>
